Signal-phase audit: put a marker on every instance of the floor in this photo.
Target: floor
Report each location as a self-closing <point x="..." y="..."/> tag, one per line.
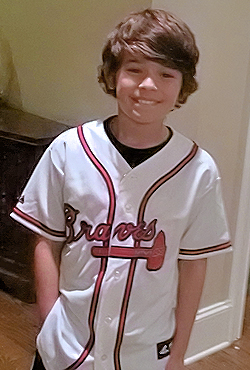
<point x="18" y="328"/>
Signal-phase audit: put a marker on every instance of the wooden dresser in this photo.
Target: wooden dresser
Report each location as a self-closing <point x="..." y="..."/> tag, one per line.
<point x="23" y="139"/>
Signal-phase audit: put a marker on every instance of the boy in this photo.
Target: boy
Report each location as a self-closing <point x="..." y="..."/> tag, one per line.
<point x="124" y="207"/>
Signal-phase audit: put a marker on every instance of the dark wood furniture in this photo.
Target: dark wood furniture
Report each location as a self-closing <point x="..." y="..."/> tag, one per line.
<point x="23" y="139"/>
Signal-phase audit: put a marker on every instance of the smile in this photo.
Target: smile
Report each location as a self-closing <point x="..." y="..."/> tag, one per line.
<point x="145" y="102"/>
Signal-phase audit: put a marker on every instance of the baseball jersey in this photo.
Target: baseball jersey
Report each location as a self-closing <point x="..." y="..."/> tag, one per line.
<point x="124" y="230"/>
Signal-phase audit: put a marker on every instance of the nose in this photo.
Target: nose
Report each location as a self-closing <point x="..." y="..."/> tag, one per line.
<point x="148" y="83"/>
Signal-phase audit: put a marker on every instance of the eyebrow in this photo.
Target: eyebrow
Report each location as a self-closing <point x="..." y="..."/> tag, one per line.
<point x="133" y="60"/>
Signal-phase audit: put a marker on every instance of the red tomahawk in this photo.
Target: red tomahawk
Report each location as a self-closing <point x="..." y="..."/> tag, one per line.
<point x="154" y="255"/>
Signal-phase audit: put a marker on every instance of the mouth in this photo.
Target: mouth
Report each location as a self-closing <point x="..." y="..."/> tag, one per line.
<point x="145" y="102"/>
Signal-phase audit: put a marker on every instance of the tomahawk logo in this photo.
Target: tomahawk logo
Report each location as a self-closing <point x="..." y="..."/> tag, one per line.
<point x="102" y="232"/>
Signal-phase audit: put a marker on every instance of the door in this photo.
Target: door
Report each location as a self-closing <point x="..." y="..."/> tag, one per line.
<point x="217" y="118"/>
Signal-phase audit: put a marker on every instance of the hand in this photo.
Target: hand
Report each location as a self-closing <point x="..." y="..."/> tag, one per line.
<point x="175" y="364"/>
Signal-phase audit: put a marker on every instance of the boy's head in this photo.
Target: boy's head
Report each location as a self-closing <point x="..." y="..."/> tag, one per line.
<point x="160" y="37"/>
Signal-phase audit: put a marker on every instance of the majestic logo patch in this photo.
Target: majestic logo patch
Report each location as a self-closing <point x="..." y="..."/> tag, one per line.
<point x="163" y="348"/>
<point x="21" y="199"/>
<point x="102" y="232"/>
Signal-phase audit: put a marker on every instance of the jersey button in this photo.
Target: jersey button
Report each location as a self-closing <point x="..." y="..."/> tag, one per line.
<point x="128" y="207"/>
<point x="117" y="275"/>
<point x="104" y="357"/>
<point x="108" y="320"/>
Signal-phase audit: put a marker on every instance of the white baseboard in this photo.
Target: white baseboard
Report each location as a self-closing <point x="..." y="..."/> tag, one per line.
<point x="208" y="352"/>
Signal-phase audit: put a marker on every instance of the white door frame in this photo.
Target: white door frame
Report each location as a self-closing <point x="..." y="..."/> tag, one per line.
<point x="241" y="258"/>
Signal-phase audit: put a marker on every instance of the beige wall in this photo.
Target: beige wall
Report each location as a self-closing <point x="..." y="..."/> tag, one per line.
<point x="55" y="47"/>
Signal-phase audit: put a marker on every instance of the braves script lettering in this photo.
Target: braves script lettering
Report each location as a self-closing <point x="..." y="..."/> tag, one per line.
<point x="102" y="232"/>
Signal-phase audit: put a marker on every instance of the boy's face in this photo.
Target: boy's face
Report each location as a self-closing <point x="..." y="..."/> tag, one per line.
<point x="146" y="91"/>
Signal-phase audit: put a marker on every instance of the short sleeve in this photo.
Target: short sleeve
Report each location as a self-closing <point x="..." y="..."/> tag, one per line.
<point x="41" y="206"/>
<point x="207" y="231"/>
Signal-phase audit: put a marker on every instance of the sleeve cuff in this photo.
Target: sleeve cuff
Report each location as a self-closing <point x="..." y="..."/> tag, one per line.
<point x="192" y="254"/>
<point x="36" y="226"/>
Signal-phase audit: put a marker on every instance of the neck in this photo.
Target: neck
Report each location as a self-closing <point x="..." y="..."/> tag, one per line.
<point x="137" y="135"/>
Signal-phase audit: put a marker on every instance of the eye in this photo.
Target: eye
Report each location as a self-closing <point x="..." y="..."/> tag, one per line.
<point x="167" y="75"/>
<point x="134" y="70"/>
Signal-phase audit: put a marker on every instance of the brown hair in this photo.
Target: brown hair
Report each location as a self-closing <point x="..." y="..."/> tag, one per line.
<point x="159" y="36"/>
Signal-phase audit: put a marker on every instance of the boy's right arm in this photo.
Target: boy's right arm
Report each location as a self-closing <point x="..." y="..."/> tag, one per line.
<point x="46" y="266"/>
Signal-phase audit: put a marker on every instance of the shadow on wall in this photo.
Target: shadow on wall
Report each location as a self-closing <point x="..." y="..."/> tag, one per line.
<point x="9" y="85"/>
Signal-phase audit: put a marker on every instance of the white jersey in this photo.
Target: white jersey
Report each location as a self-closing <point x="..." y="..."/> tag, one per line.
<point x="124" y="230"/>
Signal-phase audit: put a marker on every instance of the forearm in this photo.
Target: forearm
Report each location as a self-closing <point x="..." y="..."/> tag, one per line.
<point x="46" y="266"/>
<point x="191" y="281"/>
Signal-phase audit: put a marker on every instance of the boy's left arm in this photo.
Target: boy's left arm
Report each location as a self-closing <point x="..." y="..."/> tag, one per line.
<point x="191" y="281"/>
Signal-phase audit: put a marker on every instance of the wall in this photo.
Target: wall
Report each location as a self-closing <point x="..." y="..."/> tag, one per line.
<point x="55" y="49"/>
